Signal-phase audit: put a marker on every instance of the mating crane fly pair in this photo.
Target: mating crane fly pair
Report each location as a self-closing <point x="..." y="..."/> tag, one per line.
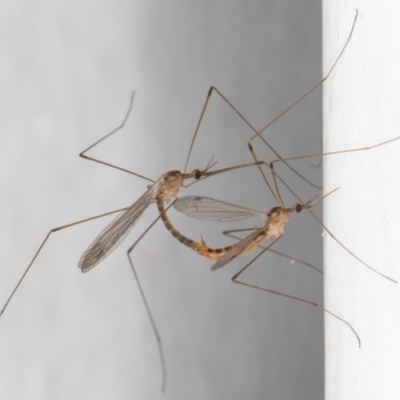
<point x="166" y="190"/>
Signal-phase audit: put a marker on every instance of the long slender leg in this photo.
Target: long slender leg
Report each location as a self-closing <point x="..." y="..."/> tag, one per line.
<point x="336" y="152"/>
<point x="271" y="166"/>
<point x="214" y="89"/>
<point x="277" y="195"/>
<point x="43" y="243"/>
<point x="82" y="154"/>
<point x="332" y="235"/>
<point x="229" y="233"/>
<point x="236" y="276"/>
<point x="205" y="175"/>
<point x="275" y="176"/>
<point x="146" y="304"/>
<point x="311" y="90"/>
<point x="258" y="133"/>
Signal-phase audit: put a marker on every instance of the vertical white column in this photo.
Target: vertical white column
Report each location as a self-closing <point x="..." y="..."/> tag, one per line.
<point x="361" y="106"/>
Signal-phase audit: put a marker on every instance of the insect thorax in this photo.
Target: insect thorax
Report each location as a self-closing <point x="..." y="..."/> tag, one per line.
<point x="171" y="183"/>
<point x="276" y="220"/>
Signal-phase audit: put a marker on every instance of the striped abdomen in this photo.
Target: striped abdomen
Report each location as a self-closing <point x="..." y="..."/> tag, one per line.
<point x="200" y="248"/>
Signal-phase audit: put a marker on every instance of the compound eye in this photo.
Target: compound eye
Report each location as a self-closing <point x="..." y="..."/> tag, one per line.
<point x="299" y="207"/>
<point x="197" y="174"/>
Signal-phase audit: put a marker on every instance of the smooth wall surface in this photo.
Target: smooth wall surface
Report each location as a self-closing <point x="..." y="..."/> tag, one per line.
<point x="360" y="109"/>
<point x="67" y="71"/>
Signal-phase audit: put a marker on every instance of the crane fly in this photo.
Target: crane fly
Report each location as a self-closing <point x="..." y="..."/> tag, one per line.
<point x="208" y="209"/>
<point x="163" y="190"/>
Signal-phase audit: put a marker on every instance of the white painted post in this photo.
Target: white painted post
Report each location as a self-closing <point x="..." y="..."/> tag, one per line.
<point x="361" y="108"/>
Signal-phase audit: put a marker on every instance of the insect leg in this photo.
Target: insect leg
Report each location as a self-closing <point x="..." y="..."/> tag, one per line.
<point x="82" y="154"/>
<point x="229" y="233"/>
<point x="43" y="243"/>
<point x="146" y="304"/>
<point x="236" y="276"/>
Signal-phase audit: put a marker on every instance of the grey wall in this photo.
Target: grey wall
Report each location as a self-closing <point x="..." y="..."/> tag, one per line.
<point x="67" y="70"/>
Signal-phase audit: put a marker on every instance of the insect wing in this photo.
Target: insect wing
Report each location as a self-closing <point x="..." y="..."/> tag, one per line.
<point x="115" y="232"/>
<point x="236" y="249"/>
<point x="208" y="209"/>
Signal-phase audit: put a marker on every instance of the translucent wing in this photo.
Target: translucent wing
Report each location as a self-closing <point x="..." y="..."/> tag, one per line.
<point x="115" y="232"/>
<point x="209" y="209"/>
<point x="237" y="249"/>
